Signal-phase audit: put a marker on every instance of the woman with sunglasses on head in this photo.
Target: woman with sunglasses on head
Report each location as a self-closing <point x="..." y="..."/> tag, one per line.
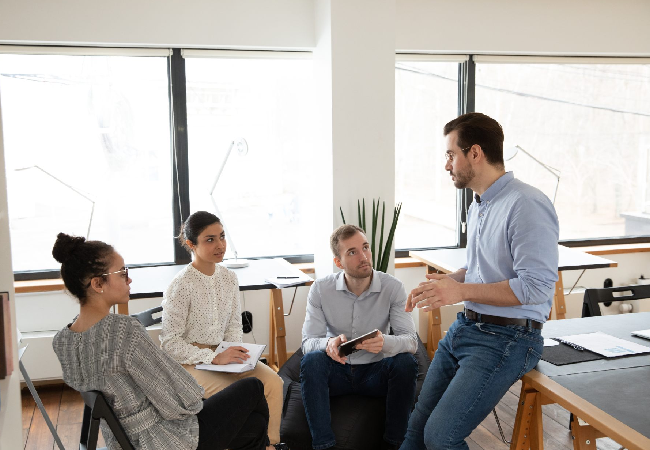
<point x="157" y="402"/>
<point x="201" y="309"/>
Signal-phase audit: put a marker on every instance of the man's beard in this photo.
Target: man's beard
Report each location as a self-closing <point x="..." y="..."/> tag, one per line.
<point x="463" y="178"/>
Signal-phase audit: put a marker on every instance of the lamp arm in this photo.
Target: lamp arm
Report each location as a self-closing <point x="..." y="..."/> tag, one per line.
<point x="553" y="170"/>
<point x="223" y="164"/>
<point x="228" y="238"/>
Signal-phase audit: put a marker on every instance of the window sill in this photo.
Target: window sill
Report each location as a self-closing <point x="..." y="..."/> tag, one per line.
<point x="31" y="286"/>
<point x="25" y="287"/>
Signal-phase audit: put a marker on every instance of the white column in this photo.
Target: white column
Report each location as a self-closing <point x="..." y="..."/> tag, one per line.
<point x="355" y="73"/>
<point x="11" y="433"/>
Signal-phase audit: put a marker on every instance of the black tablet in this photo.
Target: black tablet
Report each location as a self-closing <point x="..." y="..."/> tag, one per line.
<point x="348" y="347"/>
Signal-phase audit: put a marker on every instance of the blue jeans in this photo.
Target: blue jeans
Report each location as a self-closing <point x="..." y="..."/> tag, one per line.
<point x="322" y="377"/>
<point x="473" y="368"/>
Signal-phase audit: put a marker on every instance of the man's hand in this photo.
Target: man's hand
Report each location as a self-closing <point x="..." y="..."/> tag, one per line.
<point x="333" y="348"/>
<point x="373" y="345"/>
<point x="232" y="355"/>
<point x="440" y="290"/>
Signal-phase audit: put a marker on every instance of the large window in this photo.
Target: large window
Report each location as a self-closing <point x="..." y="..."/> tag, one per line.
<point x="587" y="122"/>
<point x="264" y="192"/>
<point x="87" y="152"/>
<point x="426" y="97"/>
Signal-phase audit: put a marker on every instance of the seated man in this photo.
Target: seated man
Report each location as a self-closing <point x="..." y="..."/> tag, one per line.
<point x="344" y="306"/>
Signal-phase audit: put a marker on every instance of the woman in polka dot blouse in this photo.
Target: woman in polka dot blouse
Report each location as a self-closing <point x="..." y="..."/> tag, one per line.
<point x="201" y="308"/>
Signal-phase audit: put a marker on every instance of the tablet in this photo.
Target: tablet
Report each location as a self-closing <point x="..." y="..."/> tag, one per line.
<point x="348" y="347"/>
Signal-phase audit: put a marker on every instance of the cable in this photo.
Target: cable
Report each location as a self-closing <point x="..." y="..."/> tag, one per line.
<point x="503" y="437"/>
<point x="292" y="300"/>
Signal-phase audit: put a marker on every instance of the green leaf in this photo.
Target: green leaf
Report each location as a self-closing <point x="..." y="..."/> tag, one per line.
<point x="375" y="212"/>
<point x="380" y="258"/>
<point x="359" y="212"/>
<point x="342" y="216"/>
<point x="389" y="240"/>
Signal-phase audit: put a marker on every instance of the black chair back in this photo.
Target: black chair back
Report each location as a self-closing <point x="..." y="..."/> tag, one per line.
<point x="97" y="408"/>
<point x="146" y="317"/>
<point x="590" y="304"/>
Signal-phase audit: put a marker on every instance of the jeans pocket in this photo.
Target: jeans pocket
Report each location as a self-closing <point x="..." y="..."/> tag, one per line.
<point x="532" y="358"/>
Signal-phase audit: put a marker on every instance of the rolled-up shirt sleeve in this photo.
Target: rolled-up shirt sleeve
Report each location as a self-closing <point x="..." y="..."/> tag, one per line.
<point x="314" y="330"/>
<point x="534" y="232"/>
<point x="404" y="339"/>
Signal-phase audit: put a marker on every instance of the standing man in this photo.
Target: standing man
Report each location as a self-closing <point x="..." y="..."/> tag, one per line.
<point x="507" y="286"/>
<point x="344" y="306"/>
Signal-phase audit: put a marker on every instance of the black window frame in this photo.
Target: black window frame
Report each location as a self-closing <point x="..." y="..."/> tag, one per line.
<point x="177" y="92"/>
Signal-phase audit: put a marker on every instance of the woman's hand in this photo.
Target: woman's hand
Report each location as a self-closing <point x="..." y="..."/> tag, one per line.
<point x="232" y="355"/>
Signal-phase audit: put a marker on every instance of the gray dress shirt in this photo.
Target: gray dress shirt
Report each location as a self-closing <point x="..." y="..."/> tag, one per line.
<point x="332" y="310"/>
<point x="155" y="399"/>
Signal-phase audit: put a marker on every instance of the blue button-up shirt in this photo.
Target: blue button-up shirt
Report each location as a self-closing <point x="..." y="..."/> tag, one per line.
<point x="333" y="310"/>
<point x="513" y="235"/>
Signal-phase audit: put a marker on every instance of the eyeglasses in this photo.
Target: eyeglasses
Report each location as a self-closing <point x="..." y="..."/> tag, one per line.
<point x="124" y="272"/>
<point x="449" y="155"/>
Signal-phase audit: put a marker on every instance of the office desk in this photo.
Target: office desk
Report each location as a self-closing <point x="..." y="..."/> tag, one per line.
<point x="451" y="259"/>
<point x="150" y="282"/>
<point x="611" y="395"/>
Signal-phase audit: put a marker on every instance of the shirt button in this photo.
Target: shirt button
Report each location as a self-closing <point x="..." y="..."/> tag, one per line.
<point x="481" y="214"/>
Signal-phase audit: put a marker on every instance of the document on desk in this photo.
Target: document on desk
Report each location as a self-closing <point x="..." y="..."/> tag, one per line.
<point x="604" y="344"/>
<point x="254" y="351"/>
<point x="287" y="275"/>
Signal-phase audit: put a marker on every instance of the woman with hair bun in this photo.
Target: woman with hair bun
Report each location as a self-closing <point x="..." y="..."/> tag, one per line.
<point x="157" y="402"/>
<point x="201" y="309"/>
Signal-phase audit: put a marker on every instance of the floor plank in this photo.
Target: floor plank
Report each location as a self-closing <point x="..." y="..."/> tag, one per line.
<point x="28" y="407"/>
<point x="40" y="437"/>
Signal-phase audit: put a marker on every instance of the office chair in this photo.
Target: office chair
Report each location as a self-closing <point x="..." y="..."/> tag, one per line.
<point x="146" y="317"/>
<point x="590" y="303"/>
<point x="97" y="408"/>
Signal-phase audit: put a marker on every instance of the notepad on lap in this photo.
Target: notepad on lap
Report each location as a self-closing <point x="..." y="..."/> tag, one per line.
<point x="254" y="350"/>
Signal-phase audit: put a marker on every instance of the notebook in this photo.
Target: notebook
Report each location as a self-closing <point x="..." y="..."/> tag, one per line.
<point x="254" y="350"/>
<point x="645" y="334"/>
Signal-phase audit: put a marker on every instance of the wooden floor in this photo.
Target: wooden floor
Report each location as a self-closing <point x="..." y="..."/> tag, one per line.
<point x="65" y="409"/>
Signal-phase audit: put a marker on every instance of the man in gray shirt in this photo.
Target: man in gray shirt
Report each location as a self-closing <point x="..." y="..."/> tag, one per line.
<point x="344" y="306"/>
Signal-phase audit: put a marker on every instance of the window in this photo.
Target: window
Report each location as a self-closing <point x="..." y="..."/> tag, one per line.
<point x="87" y="152"/>
<point x="426" y="98"/>
<point x="264" y="193"/>
<point x="591" y="122"/>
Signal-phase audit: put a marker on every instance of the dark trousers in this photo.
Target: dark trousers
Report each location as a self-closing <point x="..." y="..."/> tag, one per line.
<point x="235" y="418"/>
<point x="322" y="377"/>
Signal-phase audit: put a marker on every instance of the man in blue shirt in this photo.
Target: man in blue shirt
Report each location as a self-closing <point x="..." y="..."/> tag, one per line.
<point x="344" y="306"/>
<point x="507" y="286"/>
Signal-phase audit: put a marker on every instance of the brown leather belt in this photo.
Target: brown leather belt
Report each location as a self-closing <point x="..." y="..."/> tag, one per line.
<point x="503" y="321"/>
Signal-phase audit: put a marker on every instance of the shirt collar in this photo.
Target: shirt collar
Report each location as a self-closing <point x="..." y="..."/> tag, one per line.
<point x="496" y="187"/>
<point x="375" y="284"/>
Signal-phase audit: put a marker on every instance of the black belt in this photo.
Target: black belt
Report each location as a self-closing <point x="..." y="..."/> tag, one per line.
<point x="497" y="320"/>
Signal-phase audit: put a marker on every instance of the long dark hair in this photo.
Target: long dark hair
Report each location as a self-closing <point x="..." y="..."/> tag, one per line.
<point x="194" y="226"/>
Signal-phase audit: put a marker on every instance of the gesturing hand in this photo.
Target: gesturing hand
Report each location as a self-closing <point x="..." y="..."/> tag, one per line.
<point x="373" y="345"/>
<point x="439" y="291"/>
<point x="333" y="348"/>
<point x="232" y="355"/>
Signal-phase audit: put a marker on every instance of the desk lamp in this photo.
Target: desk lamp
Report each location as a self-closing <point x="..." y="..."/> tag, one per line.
<point x="510" y="152"/>
<point x="242" y="150"/>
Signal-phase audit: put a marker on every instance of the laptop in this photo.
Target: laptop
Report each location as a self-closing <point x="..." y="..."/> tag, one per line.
<point x="645" y="334"/>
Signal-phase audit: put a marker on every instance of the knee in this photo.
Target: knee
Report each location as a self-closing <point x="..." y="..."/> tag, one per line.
<point x="253" y="385"/>
<point x="405" y="365"/>
<point x="314" y="364"/>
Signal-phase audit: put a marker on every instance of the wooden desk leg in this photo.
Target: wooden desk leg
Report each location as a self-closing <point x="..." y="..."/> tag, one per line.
<point x="272" y="335"/>
<point x="280" y="330"/>
<point x="123" y="308"/>
<point x="584" y="436"/>
<point x="434" y="333"/>
<point x="560" y="305"/>
<point x="528" y="430"/>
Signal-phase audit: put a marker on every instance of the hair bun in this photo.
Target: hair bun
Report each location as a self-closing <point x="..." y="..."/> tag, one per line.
<point x="65" y="246"/>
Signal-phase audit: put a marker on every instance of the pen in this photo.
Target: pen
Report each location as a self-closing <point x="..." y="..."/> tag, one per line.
<point x="284" y="278"/>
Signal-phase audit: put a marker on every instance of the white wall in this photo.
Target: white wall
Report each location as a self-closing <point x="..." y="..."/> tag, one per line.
<point x="241" y="24"/>
<point x="549" y="27"/>
<point x="10" y="407"/>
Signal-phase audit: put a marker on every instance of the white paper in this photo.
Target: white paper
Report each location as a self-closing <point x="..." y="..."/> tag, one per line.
<point x="254" y="350"/>
<point x="606" y="345"/>
<point x="550" y="343"/>
<point x="287" y="275"/>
